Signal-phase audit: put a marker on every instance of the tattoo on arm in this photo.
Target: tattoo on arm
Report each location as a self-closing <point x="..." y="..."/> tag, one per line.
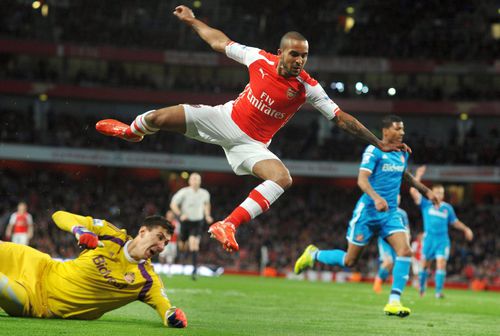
<point x="410" y="179"/>
<point x="351" y="125"/>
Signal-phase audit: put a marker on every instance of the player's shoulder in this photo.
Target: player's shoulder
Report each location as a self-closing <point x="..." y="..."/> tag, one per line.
<point x="183" y="190"/>
<point x="263" y="58"/>
<point x="305" y="78"/>
<point x="447" y="205"/>
<point x="371" y="149"/>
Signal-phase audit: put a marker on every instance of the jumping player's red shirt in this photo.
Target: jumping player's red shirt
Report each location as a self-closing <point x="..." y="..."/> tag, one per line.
<point x="269" y="100"/>
<point x="20" y="221"/>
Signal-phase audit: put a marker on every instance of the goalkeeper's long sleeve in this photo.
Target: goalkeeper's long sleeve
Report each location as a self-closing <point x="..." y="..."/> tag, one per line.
<point x="66" y="221"/>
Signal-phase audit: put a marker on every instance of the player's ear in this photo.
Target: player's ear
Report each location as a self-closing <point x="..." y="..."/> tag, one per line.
<point x="280" y="52"/>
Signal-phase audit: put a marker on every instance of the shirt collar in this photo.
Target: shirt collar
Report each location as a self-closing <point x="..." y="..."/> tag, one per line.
<point x="127" y="255"/>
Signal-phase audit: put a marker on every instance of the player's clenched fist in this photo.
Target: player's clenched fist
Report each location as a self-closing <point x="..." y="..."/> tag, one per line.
<point x="176" y="318"/>
<point x="86" y="239"/>
<point x="184" y="13"/>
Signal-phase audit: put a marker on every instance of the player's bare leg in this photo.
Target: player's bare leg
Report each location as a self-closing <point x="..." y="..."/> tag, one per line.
<point x="171" y="118"/>
<point x="13" y="296"/>
<point x="276" y="180"/>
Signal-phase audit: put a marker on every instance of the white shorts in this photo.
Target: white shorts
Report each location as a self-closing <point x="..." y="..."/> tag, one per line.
<point x="20" y="238"/>
<point x="214" y="125"/>
<point x="169" y="250"/>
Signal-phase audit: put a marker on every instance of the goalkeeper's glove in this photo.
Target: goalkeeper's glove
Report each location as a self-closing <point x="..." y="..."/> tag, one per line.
<point x="176" y="318"/>
<point x="86" y="239"/>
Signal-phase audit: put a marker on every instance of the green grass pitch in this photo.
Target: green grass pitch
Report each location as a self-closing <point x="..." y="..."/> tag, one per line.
<point x="238" y="305"/>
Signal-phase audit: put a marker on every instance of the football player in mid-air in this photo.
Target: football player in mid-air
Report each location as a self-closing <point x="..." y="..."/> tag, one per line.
<point x="113" y="270"/>
<point x="387" y="255"/>
<point x="278" y="87"/>
<point x="436" y="244"/>
<point x="379" y="177"/>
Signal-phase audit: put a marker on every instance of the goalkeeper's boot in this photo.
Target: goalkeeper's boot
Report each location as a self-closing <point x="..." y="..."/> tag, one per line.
<point x="112" y="127"/>
<point x="224" y="233"/>
<point x="439" y="296"/>
<point x="395" y="308"/>
<point x="377" y="285"/>
<point x="306" y="260"/>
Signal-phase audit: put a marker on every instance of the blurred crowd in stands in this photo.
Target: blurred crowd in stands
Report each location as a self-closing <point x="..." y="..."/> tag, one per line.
<point x="212" y="79"/>
<point x="307" y="213"/>
<point x="71" y="130"/>
<point x="442" y="29"/>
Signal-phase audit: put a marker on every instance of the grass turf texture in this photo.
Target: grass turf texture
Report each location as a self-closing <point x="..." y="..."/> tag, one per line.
<point x="237" y="305"/>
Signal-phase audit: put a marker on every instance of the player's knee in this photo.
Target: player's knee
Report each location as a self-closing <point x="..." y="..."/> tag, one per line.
<point x="405" y="252"/>
<point x="284" y="180"/>
<point x="350" y="262"/>
<point x="163" y="118"/>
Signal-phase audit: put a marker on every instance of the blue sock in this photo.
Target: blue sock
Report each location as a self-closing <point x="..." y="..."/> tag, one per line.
<point x="331" y="257"/>
<point x="440" y="275"/>
<point x="423" y="280"/>
<point x="383" y="273"/>
<point x="400" y="275"/>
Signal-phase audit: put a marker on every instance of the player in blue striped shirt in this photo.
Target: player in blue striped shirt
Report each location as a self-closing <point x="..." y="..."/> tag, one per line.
<point x="436" y="245"/>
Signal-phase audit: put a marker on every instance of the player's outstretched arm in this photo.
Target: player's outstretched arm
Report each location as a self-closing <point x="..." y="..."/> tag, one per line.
<point x="352" y="125"/>
<point x="77" y="225"/>
<point x="418" y="188"/>
<point x="469" y="235"/>
<point x="157" y="299"/>
<point x="214" y="37"/>
<point x="414" y="193"/>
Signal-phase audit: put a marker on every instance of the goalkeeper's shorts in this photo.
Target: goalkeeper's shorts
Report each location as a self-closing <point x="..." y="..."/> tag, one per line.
<point x="27" y="267"/>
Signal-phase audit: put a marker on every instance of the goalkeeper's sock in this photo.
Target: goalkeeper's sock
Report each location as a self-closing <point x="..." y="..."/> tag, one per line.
<point x="440" y="276"/>
<point x="383" y="273"/>
<point x="258" y="201"/>
<point x="13" y="296"/>
<point x="331" y="257"/>
<point x="400" y="275"/>
<point x="423" y="280"/>
<point x="141" y="127"/>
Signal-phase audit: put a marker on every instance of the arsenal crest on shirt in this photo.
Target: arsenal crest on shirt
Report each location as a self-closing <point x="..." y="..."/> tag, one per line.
<point x="291" y="93"/>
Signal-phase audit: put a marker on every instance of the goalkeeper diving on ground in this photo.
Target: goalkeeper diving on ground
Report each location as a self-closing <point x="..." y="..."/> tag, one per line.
<point x="113" y="270"/>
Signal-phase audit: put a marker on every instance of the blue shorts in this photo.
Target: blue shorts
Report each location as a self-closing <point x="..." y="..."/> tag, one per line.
<point x="385" y="250"/>
<point x="435" y="247"/>
<point x="366" y="222"/>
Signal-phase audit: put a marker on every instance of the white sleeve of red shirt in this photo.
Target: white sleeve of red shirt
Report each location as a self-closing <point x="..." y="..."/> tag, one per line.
<point x="317" y="97"/>
<point x="12" y="219"/>
<point x="242" y="54"/>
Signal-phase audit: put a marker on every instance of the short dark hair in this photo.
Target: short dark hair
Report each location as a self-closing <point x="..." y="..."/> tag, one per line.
<point x="437" y="185"/>
<point x="291" y="35"/>
<point x="389" y="119"/>
<point x="153" y="221"/>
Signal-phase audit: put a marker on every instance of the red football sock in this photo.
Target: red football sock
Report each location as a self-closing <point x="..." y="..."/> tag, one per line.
<point x="258" y="201"/>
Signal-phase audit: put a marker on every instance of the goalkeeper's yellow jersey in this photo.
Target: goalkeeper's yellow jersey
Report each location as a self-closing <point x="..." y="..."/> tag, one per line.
<point x="103" y="279"/>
